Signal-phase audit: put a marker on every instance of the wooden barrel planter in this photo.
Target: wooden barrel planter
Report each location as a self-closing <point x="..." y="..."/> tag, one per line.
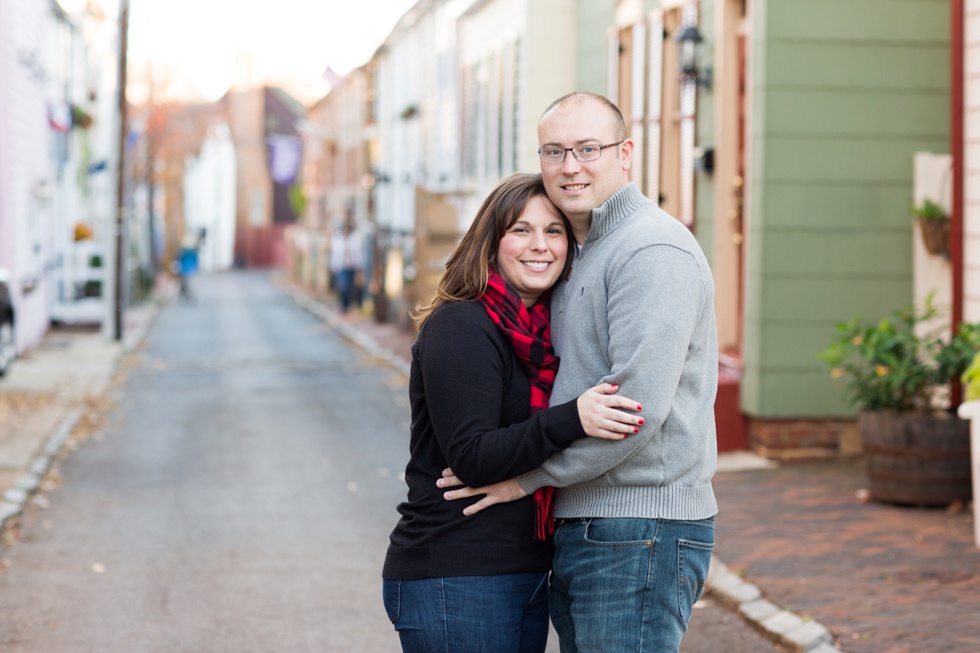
<point x="916" y="459"/>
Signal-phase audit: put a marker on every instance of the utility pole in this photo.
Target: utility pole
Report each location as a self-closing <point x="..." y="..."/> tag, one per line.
<point x="117" y="323"/>
<point x="150" y="171"/>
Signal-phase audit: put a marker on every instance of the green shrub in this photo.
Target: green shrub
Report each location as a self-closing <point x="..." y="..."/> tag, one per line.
<point x="889" y="366"/>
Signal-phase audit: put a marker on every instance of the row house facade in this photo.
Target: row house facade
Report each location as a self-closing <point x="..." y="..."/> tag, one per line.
<point x="307" y="240"/>
<point x="417" y="188"/>
<point x="790" y="150"/>
<point x="337" y="180"/>
<point x="381" y="144"/>
<point x="264" y="123"/>
<point x="59" y="162"/>
<point x="790" y="136"/>
<point x="460" y="85"/>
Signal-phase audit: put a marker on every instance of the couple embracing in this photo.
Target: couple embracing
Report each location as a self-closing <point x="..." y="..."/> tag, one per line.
<point x="580" y="491"/>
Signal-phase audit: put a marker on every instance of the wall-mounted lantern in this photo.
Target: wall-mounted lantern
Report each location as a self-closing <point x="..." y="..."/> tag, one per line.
<point x="690" y="47"/>
<point x="704" y="159"/>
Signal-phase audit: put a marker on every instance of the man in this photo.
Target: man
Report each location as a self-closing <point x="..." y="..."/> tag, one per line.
<point x="634" y="518"/>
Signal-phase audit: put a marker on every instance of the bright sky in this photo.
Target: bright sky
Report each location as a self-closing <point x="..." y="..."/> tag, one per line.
<point x="198" y="41"/>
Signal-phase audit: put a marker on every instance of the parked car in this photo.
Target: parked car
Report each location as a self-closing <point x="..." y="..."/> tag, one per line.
<point x="7" y="349"/>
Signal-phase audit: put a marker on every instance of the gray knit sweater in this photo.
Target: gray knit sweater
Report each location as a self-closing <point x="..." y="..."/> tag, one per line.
<point x="638" y="310"/>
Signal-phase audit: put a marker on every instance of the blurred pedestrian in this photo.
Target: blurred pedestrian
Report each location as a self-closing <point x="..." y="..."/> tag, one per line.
<point x="481" y="375"/>
<point x="187" y="265"/>
<point x="347" y="264"/>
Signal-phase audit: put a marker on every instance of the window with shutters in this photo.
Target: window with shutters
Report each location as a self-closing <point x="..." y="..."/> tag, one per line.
<point x="658" y="106"/>
<point x="490" y="113"/>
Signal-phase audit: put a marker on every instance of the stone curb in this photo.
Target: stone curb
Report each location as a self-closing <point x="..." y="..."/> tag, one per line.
<point x="346" y="331"/>
<point x="795" y="633"/>
<point x="15" y="499"/>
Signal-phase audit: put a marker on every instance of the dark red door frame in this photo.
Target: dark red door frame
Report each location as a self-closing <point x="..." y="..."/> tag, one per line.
<point x="956" y="151"/>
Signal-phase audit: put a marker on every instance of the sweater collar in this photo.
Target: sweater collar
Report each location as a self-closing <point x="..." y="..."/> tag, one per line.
<point x="615" y="210"/>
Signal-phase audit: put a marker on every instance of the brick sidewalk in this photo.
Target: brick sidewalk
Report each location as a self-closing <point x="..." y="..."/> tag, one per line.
<point x="881" y="578"/>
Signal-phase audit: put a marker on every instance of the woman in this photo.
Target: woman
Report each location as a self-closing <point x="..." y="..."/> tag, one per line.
<point x="482" y="370"/>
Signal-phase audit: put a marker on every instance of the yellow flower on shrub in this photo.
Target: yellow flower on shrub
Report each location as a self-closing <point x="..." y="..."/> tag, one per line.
<point x="895" y="365"/>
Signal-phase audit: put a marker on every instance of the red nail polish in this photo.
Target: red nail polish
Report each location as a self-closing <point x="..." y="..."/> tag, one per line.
<point x="636" y="429"/>
<point x="639" y="407"/>
<point x="641" y="421"/>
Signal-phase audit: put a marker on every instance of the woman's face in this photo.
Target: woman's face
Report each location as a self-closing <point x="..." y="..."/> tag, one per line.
<point x="531" y="255"/>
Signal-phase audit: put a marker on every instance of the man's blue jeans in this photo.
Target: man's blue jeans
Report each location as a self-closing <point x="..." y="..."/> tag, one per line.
<point x="627" y="585"/>
<point x="470" y="614"/>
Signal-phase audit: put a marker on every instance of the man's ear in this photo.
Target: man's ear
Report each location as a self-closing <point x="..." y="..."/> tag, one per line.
<point x="626" y="153"/>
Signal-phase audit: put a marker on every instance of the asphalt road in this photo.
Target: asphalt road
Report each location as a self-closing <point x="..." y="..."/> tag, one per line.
<point x="238" y="498"/>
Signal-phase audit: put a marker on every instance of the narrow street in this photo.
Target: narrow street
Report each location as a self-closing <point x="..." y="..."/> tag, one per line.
<point x="238" y="499"/>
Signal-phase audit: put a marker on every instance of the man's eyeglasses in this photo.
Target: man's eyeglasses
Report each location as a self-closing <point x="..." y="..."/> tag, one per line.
<point x="587" y="152"/>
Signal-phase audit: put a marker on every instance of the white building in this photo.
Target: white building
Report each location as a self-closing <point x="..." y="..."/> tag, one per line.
<point x="27" y="170"/>
<point x="46" y="152"/>
<point x="84" y="60"/>
<point x="417" y="163"/>
<point x="460" y="87"/>
<point x="515" y="59"/>
<point x="209" y="198"/>
<point x="489" y="68"/>
<point x="57" y="179"/>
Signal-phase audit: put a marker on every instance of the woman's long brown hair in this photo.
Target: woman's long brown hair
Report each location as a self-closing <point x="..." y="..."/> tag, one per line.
<point x="468" y="267"/>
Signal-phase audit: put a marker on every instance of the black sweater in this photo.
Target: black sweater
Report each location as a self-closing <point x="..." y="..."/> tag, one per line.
<point x="470" y="411"/>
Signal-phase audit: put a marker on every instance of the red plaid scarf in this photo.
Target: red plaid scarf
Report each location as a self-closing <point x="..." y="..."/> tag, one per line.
<point x="529" y="333"/>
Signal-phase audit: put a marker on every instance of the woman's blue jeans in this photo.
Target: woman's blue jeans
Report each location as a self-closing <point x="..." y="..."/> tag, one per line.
<point x="627" y="585"/>
<point x="470" y="614"/>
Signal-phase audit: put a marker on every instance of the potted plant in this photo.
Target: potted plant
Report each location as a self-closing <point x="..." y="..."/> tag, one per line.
<point x="898" y="374"/>
<point x="80" y="117"/>
<point x="934" y="226"/>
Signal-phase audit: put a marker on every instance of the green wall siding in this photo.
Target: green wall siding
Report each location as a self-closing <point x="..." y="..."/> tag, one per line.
<point x="844" y="93"/>
<point x="704" y="201"/>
